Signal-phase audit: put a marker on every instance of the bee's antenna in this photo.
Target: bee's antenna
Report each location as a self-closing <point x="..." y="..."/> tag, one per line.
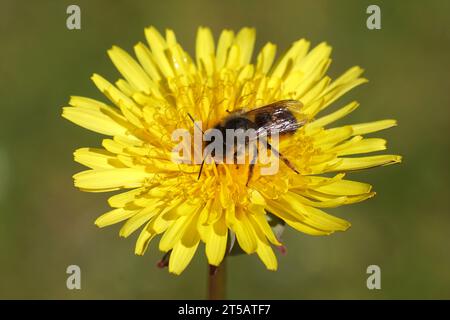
<point x="282" y="157"/>
<point x="190" y="117"/>
<point x="195" y="124"/>
<point x="201" y="169"/>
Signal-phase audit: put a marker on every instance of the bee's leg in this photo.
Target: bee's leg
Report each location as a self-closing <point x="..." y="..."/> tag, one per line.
<point x="201" y="168"/>
<point x="283" y="158"/>
<point x="237" y="152"/>
<point x="235" y="156"/>
<point x="251" y="166"/>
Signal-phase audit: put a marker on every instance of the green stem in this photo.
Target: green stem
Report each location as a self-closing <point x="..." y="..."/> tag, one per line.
<point x="217" y="282"/>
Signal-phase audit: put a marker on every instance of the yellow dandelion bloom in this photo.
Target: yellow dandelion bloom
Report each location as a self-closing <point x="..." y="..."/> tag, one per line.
<point x="161" y="86"/>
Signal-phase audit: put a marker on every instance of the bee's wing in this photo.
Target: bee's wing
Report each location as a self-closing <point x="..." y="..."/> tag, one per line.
<point x="283" y="116"/>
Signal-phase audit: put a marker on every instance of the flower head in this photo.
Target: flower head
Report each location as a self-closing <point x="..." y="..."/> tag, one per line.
<point x="167" y="199"/>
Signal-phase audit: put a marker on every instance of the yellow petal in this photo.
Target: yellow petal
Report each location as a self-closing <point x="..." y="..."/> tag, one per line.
<point x="98" y="118"/>
<point x="174" y="233"/>
<point x="348" y="76"/>
<point x="369" y="127"/>
<point x="188" y="207"/>
<point x="97" y="158"/>
<point x="245" y="39"/>
<point x="185" y="248"/>
<point x="265" y="58"/>
<point x="259" y="221"/>
<point x="245" y="75"/>
<point x="181" y="256"/>
<point x="129" y="109"/>
<point x="205" y="50"/>
<point x="225" y="41"/>
<point x="342" y="112"/>
<point x="145" y="58"/>
<point x="245" y="234"/>
<point x="114" y="216"/>
<point x="187" y="213"/>
<point x="299" y="181"/>
<point x="159" y="46"/>
<point x="340" y="90"/>
<point x="121" y="199"/>
<point x="217" y="242"/>
<point x="171" y="38"/>
<point x="365" y="162"/>
<point x="264" y="250"/>
<point x="344" y="188"/>
<point x="125" y="87"/>
<point x="294" y="221"/>
<point x="111" y="179"/>
<point x="294" y="83"/>
<point x="139" y="219"/>
<point x="233" y="58"/>
<point x="130" y="69"/>
<point x="167" y="215"/>
<point x="256" y="198"/>
<point x="362" y="146"/>
<point x="225" y="196"/>
<point x="266" y="255"/>
<point x="314" y="93"/>
<point x="146" y="235"/>
<point x="292" y="57"/>
<point x="181" y="63"/>
<point x="330" y="137"/>
<point x="114" y="147"/>
<point x="328" y="203"/>
<point x="317" y="56"/>
<point x="312" y="216"/>
<point x="325" y="221"/>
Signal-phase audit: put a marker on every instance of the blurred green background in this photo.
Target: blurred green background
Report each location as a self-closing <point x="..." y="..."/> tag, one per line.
<point x="46" y="224"/>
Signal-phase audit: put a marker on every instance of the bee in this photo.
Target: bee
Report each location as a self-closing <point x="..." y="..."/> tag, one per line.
<point x="283" y="117"/>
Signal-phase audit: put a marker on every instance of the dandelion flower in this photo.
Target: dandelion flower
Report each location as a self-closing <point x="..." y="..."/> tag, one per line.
<point x="156" y="91"/>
